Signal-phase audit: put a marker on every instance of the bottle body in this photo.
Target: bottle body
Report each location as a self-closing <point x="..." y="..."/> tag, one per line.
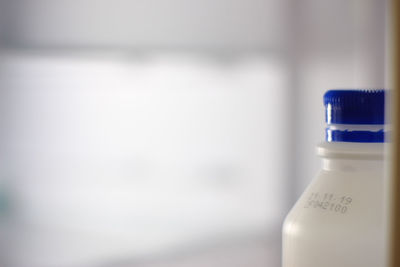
<point x="338" y="220"/>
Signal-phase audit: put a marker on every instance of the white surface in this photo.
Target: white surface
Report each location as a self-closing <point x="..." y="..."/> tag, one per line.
<point x="113" y="158"/>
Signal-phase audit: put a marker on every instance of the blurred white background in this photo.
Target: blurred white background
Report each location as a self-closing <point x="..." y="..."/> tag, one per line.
<point x="167" y="133"/>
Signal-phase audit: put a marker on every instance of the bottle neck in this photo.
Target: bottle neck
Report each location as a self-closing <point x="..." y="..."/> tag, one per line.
<point x="351" y="165"/>
<point x="346" y="156"/>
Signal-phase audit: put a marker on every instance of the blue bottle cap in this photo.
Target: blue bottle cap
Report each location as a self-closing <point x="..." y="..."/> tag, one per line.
<point x="350" y="108"/>
<point x="355" y="106"/>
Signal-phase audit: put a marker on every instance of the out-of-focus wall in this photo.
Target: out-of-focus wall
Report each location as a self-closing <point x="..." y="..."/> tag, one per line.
<point x="145" y="130"/>
<point x="208" y="24"/>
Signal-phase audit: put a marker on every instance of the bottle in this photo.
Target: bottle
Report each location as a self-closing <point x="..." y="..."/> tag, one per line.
<point x="338" y="220"/>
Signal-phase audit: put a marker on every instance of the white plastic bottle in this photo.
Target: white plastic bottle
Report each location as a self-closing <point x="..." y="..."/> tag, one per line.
<point x="338" y="221"/>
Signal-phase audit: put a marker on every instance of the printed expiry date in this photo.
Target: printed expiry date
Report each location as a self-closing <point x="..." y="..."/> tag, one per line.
<point x="329" y="202"/>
